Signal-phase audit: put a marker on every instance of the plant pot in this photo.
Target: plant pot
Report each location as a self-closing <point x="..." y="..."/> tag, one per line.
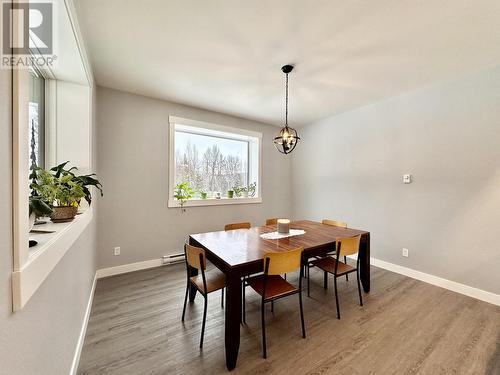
<point x="203" y="195"/>
<point x="230" y="193"/>
<point x="63" y="214"/>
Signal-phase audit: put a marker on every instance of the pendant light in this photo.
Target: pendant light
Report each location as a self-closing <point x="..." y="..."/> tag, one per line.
<point x="287" y="139"/>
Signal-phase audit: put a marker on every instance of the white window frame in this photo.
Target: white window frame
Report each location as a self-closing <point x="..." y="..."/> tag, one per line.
<point x="32" y="266"/>
<point x="172" y="202"/>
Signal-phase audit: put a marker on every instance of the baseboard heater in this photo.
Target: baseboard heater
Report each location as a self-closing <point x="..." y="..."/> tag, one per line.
<point x="173" y="259"/>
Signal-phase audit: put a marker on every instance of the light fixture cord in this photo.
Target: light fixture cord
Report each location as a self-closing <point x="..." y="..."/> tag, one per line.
<point x="286" y="100"/>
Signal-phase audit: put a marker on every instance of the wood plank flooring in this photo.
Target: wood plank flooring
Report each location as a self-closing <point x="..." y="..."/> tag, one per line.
<point x="405" y="327"/>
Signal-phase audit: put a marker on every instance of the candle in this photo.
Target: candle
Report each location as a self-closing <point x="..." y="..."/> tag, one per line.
<point x="283" y="226"/>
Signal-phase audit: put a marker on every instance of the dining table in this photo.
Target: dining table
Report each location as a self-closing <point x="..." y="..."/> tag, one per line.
<point x="238" y="253"/>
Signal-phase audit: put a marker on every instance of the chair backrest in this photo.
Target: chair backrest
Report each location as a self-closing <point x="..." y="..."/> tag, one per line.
<point x="237" y="226"/>
<point x="283" y="262"/>
<point x="193" y="256"/>
<point x="272" y="221"/>
<point x="348" y="245"/>
<point x="334" y="223"/>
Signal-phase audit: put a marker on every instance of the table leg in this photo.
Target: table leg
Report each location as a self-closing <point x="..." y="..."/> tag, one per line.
<point x="233" y="316"/>
<point x="364" y="262"/>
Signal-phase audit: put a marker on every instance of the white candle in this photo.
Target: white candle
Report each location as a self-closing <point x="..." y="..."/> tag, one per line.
<point x="283" y="226"/>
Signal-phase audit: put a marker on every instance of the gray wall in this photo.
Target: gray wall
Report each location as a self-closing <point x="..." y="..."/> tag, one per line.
<point x="350" y="167"/>
<point x="133" y="166"/>
<point x="41" y="338"/>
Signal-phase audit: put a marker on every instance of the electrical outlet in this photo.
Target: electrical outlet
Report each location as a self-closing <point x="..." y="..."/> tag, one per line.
<point x="407" y="178"/>
<point x="117" y="251"/>
<point x="405" y="252"/>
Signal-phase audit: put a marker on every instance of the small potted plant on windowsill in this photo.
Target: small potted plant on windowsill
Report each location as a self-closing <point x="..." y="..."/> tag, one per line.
<point x="230" y="194"/>
<point x="37" y="208"/>
<point x="63" y="192"/>
<point x="182" y="193"/>
<point x="203" y="194"/>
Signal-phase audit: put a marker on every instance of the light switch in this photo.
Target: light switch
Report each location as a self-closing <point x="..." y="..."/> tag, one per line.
<point x="407" y="178"/>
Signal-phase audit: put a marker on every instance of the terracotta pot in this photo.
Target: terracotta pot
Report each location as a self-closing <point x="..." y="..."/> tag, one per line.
<point x="63" y="214"/>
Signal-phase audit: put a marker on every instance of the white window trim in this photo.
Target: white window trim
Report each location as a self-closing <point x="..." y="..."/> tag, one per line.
<point x="30" y="269"/>
<point x="172" y="202"/>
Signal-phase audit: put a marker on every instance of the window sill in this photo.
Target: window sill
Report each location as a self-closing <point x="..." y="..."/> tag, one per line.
<point x="213" y="202"/>
<point x="44" y="257"/>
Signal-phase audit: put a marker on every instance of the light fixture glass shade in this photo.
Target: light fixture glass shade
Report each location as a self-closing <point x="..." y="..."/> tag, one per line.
<point x="286" y="141"/>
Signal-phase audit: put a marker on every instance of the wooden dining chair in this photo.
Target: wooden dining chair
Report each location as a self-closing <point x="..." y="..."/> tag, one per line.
<point x="271" y="286"/>
<point x="233" y="226"/>
<point x="344" y="247"/>
<point x="272" y="221"/>
<point x="205" y="283"/>
<point x="334" y="223"/>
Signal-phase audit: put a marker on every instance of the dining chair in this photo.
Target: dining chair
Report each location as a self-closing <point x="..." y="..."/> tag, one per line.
<point x="205" y="283"/>
<point x="272" y="221"/>
<point x="271" y="286"/>
<point x="333" y="223"/>
<point x="344" y="247"/>
<point x="233" y="226"/>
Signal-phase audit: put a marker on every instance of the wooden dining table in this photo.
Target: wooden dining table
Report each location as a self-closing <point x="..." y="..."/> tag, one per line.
<point x="240" y="252"/>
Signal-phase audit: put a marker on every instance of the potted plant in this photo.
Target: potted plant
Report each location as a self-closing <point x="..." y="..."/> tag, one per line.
<point x="37" y="208"/>
<point x="203" y="194"/>
<point x="251" y="189"/>
<point x="230" y="193"/>
<point x="63" y="192"/>
<point x="182" y="193"/>
<point x="86" y="181"/>
<point x="237" y="191"/>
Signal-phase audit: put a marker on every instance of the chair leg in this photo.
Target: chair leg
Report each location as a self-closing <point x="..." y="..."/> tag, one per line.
<point x="185" y="301"/>
<point x="359" y="289"/>
<point x="263" y="322"/>
<point x="222" y="298"/>
<point x="336" y="296"/>
<point x="302" y="316"/>
<point x="204" y="321"/>
<point x="308" y="278"/>
<point x="272" y="307"/>
<point x="346" y="275"/>
<point x="243" y="312"/>
<point x="325" y="280"/>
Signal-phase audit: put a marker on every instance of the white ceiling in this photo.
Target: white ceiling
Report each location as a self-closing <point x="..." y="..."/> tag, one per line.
<point x="226" y="55"/>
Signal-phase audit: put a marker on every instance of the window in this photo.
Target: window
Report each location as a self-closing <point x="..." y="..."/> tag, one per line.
<point x="36" y="119"/>
<point x="221" y="164"/>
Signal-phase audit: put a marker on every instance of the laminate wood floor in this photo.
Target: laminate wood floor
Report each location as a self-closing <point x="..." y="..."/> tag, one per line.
<point x="405" y="327"/>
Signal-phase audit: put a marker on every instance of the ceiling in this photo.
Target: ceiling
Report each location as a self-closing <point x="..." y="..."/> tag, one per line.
<point x="226" y="55"/>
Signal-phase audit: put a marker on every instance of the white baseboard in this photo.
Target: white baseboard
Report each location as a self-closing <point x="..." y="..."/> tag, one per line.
<point x="83" y="330"/>
<point x="117" y="270"/>
<point x="438" y="281"/>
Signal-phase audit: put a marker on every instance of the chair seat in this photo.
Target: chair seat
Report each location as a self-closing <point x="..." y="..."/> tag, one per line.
<point x="328" y="264"/>
<point x="276" y="286"/>
<point x="215" y="280"/>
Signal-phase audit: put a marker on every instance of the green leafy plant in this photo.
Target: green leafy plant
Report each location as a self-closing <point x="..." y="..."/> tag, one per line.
<point x="249" y="190"/>
<point x="60" y="190"/>
<point x="252" y="189"/>
<point x="85" y="181"/>
<point x="203" y="194"/>
<point x="182" y="193"/>
<point x="39" y="207"/>
<point x="237" y="191"/>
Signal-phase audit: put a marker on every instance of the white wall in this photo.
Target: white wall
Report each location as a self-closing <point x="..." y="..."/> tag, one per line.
<point x="350" y="167"/>
<point x="133" y="167"/>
